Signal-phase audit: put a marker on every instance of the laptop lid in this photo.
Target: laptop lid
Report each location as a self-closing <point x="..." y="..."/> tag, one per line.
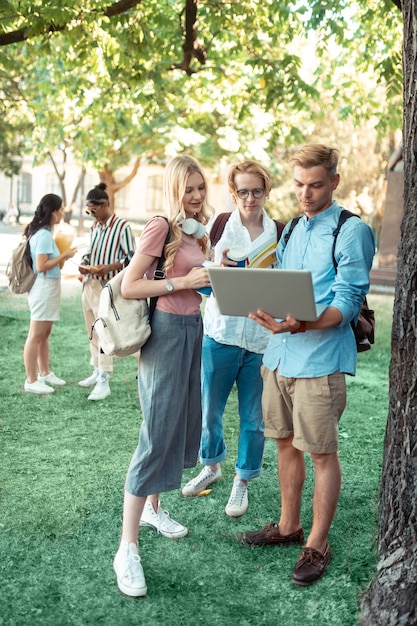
<point x="240" y="291"/>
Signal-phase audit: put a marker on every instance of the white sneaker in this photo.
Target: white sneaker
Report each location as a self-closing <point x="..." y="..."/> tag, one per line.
<point x="91" y="380"/>
<point x="206" y="477"/>
<point x="161" y="521"/>
<point x="129" y="571"/>
<point x="51" y="379"/>
<point x="102" y="388"/>
<point x="238" y="501"/>
<point x="38" y="387"/>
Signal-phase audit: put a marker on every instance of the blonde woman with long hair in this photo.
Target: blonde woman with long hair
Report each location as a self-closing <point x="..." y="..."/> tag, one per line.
<point x="169" y="370"/>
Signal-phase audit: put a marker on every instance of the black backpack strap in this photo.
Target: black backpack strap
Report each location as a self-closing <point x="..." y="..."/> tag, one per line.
<point x="344" y="215"/>
<point x="159" y="272"/>
<point x="365" y="311"/>
<point x="293" y="224"/>
<point x="217" y="228"/>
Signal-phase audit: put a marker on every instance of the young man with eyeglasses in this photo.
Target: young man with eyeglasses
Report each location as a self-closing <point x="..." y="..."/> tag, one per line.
<point x="233" y="346"/>
<point x="305" y="363"/>
<point x="112" y="245"/>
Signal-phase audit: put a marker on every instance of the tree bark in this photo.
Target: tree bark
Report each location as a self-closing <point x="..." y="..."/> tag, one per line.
<point x="79" y="187"/>
<point x="60" y="175"/>
<point x="192" y="49"/>
<point x="391" y="599"/>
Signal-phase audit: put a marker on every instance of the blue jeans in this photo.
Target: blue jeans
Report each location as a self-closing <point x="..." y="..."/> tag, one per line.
<point x="222" y="366"/>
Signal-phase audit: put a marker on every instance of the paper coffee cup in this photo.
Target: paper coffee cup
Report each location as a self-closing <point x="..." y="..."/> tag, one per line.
<point x="239" y="254"/>
<point x="205" y="291"/>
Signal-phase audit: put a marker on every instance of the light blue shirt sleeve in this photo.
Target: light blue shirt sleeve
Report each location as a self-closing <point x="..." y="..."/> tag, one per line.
<point x="42" y="242"/>
<point x="322" y="352"/>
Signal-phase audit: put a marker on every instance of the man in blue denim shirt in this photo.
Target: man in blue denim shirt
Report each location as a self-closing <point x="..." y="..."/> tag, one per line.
<point x="305" y="363"/>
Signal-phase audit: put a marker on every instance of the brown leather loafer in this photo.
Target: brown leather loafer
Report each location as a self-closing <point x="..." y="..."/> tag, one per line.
<point x="311" y="566"/>
<point x="270" y="536"/>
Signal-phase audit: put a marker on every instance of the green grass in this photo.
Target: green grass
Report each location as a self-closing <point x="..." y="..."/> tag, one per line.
<point x="63" y="464"/>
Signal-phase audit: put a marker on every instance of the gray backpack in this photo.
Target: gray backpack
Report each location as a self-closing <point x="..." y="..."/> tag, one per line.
<point x="122" y="325"/>
<point x="19" y="269"/>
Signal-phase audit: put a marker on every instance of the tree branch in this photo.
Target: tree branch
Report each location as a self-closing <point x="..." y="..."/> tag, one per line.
<point x="16" y="36"/>
<point x="191" y="47"/>
<point x="129" y="177"/>
<point x="118" y="8"/>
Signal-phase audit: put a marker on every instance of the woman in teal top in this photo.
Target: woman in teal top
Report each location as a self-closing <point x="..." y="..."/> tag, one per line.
<point x="45" y="296"/>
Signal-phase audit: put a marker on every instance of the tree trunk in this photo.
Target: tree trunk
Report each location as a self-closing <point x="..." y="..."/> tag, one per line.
<point x="107" y="176"/>
<point x="391" y="599"/>
<point x="61" y="175"/>
<point x="69" y="212"/>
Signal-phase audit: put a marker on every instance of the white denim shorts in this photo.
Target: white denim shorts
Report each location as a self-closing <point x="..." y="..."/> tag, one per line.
<point x="44" y="299"/>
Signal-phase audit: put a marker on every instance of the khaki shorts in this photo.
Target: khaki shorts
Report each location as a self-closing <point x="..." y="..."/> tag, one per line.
<point x="309" y="409"/>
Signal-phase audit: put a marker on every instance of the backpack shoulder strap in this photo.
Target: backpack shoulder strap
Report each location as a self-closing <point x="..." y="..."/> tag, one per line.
<point x="280" y="227"/>
<point x="159" y="272"/>
<point x="344" y="215"/>
<point x="293" y="224"/>
<point x="365" y="311"/>
<point x="218" y="227"/>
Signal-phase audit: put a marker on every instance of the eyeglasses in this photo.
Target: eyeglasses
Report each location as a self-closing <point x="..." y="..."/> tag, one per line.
<point x="258" y="192"/>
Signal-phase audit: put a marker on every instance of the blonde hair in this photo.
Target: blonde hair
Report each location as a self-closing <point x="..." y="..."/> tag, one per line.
<point x="315" y="154"/>
<point x="175" y="183"/>
<point x="249" y="167"/>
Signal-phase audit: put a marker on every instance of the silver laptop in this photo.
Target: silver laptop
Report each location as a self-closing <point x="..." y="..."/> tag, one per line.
<point x="240" y="291"/>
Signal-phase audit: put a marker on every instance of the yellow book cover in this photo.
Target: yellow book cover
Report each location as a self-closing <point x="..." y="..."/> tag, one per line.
<point x="265" y="256"/>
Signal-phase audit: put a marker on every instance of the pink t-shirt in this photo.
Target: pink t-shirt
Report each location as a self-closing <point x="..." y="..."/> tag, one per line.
<point x="188" y="255"/>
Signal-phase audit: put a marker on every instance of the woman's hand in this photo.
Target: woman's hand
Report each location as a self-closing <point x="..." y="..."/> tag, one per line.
<point x="68" y="254"/>
<point x="198" y="277"/>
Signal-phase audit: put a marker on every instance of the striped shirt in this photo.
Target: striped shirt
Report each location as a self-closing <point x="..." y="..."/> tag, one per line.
<point x="112" y="243"/>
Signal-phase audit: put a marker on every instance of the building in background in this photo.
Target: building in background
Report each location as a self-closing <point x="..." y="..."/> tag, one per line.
<point x="139" y="200"/>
